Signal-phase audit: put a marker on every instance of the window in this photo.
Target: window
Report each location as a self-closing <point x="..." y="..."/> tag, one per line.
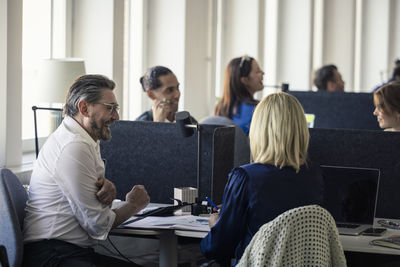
<point x="36" y="45"/>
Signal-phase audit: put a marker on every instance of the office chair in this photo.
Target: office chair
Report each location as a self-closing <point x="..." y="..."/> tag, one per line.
<point x="13" y="199"/>
<point x="242" y="145"/>
<point x="3" y="257"/>
<point x="304" y="236"/>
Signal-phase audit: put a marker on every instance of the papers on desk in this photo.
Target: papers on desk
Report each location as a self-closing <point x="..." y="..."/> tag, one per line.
<point x="392" y="241"/>
<point x="187" y="222"/>
<point x="147" y="209"/>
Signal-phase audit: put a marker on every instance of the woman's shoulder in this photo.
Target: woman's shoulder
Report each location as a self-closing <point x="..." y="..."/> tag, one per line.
<point x="247" y="106"/>
<point x="253" y="169"/>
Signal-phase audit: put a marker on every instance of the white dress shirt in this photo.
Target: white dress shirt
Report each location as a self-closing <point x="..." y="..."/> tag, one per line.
<point x="62" y="194"/>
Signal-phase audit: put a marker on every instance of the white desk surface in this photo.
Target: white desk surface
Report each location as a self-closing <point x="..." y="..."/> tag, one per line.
<point x="349" y="243"/>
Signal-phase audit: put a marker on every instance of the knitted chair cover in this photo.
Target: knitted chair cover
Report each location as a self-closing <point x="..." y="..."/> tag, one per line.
<point x="304" y="236"/>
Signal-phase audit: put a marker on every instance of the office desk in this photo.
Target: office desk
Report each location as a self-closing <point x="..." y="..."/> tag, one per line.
<point x="349" y="243"/>
<point x="169" y="241"/>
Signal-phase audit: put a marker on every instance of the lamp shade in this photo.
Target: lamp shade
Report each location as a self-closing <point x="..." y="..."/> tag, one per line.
<point x="56" y="75"/>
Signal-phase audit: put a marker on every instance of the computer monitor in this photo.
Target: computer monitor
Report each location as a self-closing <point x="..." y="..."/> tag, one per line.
<point x="350" y="194"/>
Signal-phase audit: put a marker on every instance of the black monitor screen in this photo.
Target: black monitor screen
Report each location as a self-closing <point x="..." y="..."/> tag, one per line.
<point x="350" y="193"/>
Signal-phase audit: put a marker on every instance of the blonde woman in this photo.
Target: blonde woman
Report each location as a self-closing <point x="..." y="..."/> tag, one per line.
<point x="279" y="179"/>
<point x="387" y="106"/>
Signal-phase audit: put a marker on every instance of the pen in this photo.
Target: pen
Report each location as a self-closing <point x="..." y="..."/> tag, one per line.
<point x="212" y="203"/>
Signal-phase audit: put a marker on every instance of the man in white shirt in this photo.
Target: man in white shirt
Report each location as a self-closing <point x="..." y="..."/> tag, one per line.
<point x="66" y="212"/>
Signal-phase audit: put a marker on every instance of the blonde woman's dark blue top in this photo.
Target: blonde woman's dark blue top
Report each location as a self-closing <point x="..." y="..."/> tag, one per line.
<point x="254" y="195"/>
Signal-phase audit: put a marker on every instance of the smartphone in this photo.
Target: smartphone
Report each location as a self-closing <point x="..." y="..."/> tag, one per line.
<point x="374" y="231"/>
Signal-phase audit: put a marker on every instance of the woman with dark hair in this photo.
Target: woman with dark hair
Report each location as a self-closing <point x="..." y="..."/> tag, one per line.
<point x="243" y="77"/>
<point x="162" y="87"/>
<point x="387" y="106"/>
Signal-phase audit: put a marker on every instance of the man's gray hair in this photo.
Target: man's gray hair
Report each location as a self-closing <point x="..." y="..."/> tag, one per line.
<point x="89" y="88"/>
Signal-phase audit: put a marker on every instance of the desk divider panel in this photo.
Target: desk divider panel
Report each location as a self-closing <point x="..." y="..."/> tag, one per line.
<point x="366" y="149"/>
<point x="155" y="155"/>
<point x="339" y="110"/>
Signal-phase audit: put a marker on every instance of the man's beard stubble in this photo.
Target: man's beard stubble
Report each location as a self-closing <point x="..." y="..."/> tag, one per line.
<point x="102" y="133"/>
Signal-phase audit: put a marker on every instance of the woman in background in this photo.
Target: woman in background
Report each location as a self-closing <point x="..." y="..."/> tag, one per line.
<point x="279" y="179"/>
<point x="162" y="87"/>
<point x="387" y="106"/>
<point x="243" y="77"/>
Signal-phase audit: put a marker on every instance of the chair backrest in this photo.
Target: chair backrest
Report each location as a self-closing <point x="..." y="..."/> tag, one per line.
<point x="304" y="236"/>
<point x="3" y="257"/>
<point x="13" y="199"/>
<point x="242" y="145"/>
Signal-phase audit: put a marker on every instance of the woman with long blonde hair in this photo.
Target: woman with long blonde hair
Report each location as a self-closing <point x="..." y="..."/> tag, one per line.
<point x="279" y="179"/>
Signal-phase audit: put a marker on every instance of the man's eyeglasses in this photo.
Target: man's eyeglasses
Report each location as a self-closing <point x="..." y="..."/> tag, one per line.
<point x="243" y="59"/>
<point x="112" y="107"/>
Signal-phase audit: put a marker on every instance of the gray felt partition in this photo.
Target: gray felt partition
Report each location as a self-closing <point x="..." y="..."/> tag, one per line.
<point x="339" y="110"/>
<point x="363" y="148"/>
<point x="155" y="155"/>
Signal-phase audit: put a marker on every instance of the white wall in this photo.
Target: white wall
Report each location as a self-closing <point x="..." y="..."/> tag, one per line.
<point x="375" y="42"/>
<point x="118" y="51"/>
<point x="240" y="35"/>
<point x="10" y="82"/>
<point x="339" y="38"/>
<point x="92" y="35"/>
<point x="294" y="43"/>
<point x="394" y="32"/>
<point x="136" y="100"/>
<point x="166" y="38"/>
<point x="199" y="54"/>
<point x="3" y="81"/>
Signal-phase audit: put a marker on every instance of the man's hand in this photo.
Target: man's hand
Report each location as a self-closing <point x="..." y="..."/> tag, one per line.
<point x="136" y="200"/>
<point x="161" y="110"/>
<point x="138" y="197"/>
<point x="107" y="192"/>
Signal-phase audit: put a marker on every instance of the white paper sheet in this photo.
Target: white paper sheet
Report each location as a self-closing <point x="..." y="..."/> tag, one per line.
<point x="186" y="222"/>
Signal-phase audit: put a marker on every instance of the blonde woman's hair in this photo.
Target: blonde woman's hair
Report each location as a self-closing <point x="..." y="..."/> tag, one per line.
<point x="278" y="133"/>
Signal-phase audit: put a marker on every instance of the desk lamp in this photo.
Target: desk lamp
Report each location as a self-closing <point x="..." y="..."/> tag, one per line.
<point x="186" y="128"/>
<point x="55" y="77"/>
